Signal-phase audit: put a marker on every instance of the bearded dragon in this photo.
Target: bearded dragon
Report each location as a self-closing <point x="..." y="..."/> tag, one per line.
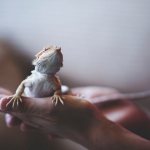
<point x="43" y="81"/>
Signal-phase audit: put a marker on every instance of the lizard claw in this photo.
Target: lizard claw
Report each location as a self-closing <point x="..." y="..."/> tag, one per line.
<point x="15" y="100"/>
<point x="56" y="99"/>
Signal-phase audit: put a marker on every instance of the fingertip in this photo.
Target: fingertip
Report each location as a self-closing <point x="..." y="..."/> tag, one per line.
<point x="3" y="103"/>
<point x="8" y="119"/>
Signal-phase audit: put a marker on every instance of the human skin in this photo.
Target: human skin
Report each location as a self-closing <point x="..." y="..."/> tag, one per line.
<point x="78" y="120"/>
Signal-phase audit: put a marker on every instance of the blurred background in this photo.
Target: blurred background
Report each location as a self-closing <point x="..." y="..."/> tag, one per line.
<point x="104" y="42"/>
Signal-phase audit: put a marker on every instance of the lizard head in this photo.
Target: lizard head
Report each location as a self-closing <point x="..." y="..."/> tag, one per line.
<point x="49" y="60"/>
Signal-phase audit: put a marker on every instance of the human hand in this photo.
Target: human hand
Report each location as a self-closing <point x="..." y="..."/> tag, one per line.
<point x="97" y="95"/>
<point x="42" y="115"/>
<point x="92" y="94"/>
<point x="78" y="120"/>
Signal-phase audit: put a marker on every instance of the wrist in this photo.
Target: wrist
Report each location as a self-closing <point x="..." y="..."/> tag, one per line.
<point x="104" y="134"/>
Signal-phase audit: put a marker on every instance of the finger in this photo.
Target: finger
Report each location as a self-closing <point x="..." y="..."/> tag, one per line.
<point x="3" y="104"/>
<point x="28" y="105"/>
<point x="24" y="127"/>
<point x="12" y="121"/>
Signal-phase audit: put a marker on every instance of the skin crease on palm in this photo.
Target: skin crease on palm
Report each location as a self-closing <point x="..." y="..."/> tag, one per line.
<point x="94" y="131"/>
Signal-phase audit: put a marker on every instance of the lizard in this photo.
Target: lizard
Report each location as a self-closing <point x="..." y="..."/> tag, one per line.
<point x="43" y="81"/>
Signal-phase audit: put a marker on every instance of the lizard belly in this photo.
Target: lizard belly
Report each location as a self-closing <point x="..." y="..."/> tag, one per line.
<point x="39" y="88"/>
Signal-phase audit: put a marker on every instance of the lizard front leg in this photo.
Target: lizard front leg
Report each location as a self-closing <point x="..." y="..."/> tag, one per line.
<point x="57" y="97"/>
<point x="16" y="98"/>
